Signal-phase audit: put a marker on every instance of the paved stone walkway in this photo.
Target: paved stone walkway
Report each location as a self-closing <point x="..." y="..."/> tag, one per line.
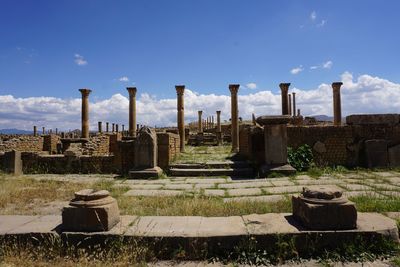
<point x="377" y="184"/>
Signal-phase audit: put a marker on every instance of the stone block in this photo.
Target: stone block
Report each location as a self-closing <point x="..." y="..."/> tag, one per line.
<point x="376" y="153"/>
<point x="319" y="147"/>
<point x="371" y="119"/>
<point x="147" y="173"/>
<point x="90" y="211"/>
<point x="324" y="208"/>
<point x="12" y="162"/>
<point x="394" y="156"/>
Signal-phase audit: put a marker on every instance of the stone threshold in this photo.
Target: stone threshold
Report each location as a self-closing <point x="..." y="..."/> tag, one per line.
<point x="195" y="232"/>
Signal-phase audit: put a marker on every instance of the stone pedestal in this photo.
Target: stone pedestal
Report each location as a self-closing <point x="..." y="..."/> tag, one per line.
<point x="90" y="211"/>
<point x="324" y="208"/>
<point x="145" y="161"/>
<point x="13" y="162"/>
<point x="275" y="136"/>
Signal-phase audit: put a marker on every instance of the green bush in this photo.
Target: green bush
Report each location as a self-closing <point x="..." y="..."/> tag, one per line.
<point x="300" y="158"/>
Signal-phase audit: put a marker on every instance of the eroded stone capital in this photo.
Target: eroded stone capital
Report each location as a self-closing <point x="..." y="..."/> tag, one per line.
<point x="132" y="91"/>
<point x="180" y="89"/>
<point x="284" y="86"/>
<point x="85" y="92"/>
<point x="336" y="85"/>
<point x="234" y="88"/>
<point x="200" y="112"/>
<point x="218" y="112"/>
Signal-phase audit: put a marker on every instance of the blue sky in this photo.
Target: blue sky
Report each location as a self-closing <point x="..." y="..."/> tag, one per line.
<point x="53" y="48"/>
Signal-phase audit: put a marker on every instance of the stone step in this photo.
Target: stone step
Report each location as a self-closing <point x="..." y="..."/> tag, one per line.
<point x="211" y="165"/>
<point x="241" y="172"/>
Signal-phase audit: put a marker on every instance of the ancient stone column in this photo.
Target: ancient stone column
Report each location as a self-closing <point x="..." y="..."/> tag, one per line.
<point x="123" y="128"/>
<point x="298" y="112"/>
<point x="219" y="121"/>
<point x="116" y="128"/>
<point x="100" y="127"/>
<point x="132" y="110"/>
<point x="284" y="95"/>
<point x="56" y="131"/>
<point x="180" y="89"/>
<point x="43" y="130"/>
<point x="34" y="131"/>
<point x="290" y="105"/>
<point x="107" y="127"/>
<point x="200" y="122"/>
<point x="234" y="88"/>
<point x="294" y="103"/>
<point x="85" y="112"/>
<point x="212" y="121"/>
<point x="219" y="132"/>
<point x="337" y="108"/>
<point x="137" y="128"/>
<point x="113" y="127"/>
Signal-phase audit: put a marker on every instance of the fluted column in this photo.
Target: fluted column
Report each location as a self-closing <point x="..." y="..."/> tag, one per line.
<point x="100" y="127"/>
<point x="294" y="103"/>
<point x="85" y="112"/>
<point x="337" y="108"/>
<point x="234" y="88"/>
<point x="180" y="90"/>
<point x="284" y="96"/>
<point x="132" y="110"/>
<point x="34" y="131"/>
<point x="290" y="105"/>
<point x="200" y="122"/>
<point x="107" y="127"/>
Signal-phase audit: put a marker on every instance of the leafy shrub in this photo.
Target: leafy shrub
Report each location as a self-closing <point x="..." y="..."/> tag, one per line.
<point x="300" y="158"/>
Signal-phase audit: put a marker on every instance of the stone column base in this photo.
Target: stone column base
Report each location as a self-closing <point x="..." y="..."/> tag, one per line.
<point x="149" y="173"/>
<point x="284" y="169"/>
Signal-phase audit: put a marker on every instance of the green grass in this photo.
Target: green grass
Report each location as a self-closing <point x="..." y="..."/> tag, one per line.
<point x="201" y="154"/>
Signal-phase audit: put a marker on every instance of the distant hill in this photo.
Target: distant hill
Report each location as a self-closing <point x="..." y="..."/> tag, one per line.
<point x="14" y="131"/>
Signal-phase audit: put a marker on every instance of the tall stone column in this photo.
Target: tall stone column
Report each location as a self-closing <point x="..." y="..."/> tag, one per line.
<point x="116" y="128"/>
<point x="100" y="127"/>
<point x="43" y="130"/>
<point x="218" y="131"/>
<point x="132" y="110"/>
<point x="34" y="131"/>
<point x="180" y="90"/>
<point x="107" y="127"/>
<point x="234" y="88"/>
<point x="284" y="95"/>
<point x="113" y="127"/>
<point x="294" y="103"/>
<point x="337" y="107"/>
<point x="290" y="105"/>
<point x="212" y="121"/>
<point x="85" y="112"/>
<point x="200" y="122"/>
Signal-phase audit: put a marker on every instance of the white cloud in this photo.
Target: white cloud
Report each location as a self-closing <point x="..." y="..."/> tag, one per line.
<point x="297" y="70"/>
<point x="251" y="86"/>
<point x="327" y="65"/>
<point x="322" y="23"/>
<point x="362" y="94"/>
<point x="79" y="60"/>
<point x="124" y="79"/>
<point x="313" y="15"/>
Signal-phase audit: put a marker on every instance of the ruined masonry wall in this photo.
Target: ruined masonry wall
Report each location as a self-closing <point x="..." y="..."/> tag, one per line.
<point x="98" y="145"/>
<point x="168" y="148"/>
<point x="21" y="143"/>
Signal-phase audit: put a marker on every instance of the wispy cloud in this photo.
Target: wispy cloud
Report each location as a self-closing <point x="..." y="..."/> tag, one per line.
<point x="251" y="86"/>
<point x="297" y="70"/>
<point x="79" y="60"/>
<point x="313" y="16"/>
<point x="326" y="65"/>
<point x="322" y="23"/>
<point x="124" y="79"/>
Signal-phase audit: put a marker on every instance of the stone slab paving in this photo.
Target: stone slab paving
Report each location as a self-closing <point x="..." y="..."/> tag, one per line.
<point x="282" y="183"/>
<point x="284" y="189"/>
<point x="214" y="192"/>
<point x="244" y="192"/>
<point x="153" y="193"/>
<point x="356" y="187"/>
<point x="267" y="198"/>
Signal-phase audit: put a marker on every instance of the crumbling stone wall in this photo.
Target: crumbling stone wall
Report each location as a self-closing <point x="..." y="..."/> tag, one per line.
<point x="168" y="148"/>
<point x="21" y="143"/>
<point x="60" y="164"/>
<point x="50" y="143"/>
<point x="98" y="145"/>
